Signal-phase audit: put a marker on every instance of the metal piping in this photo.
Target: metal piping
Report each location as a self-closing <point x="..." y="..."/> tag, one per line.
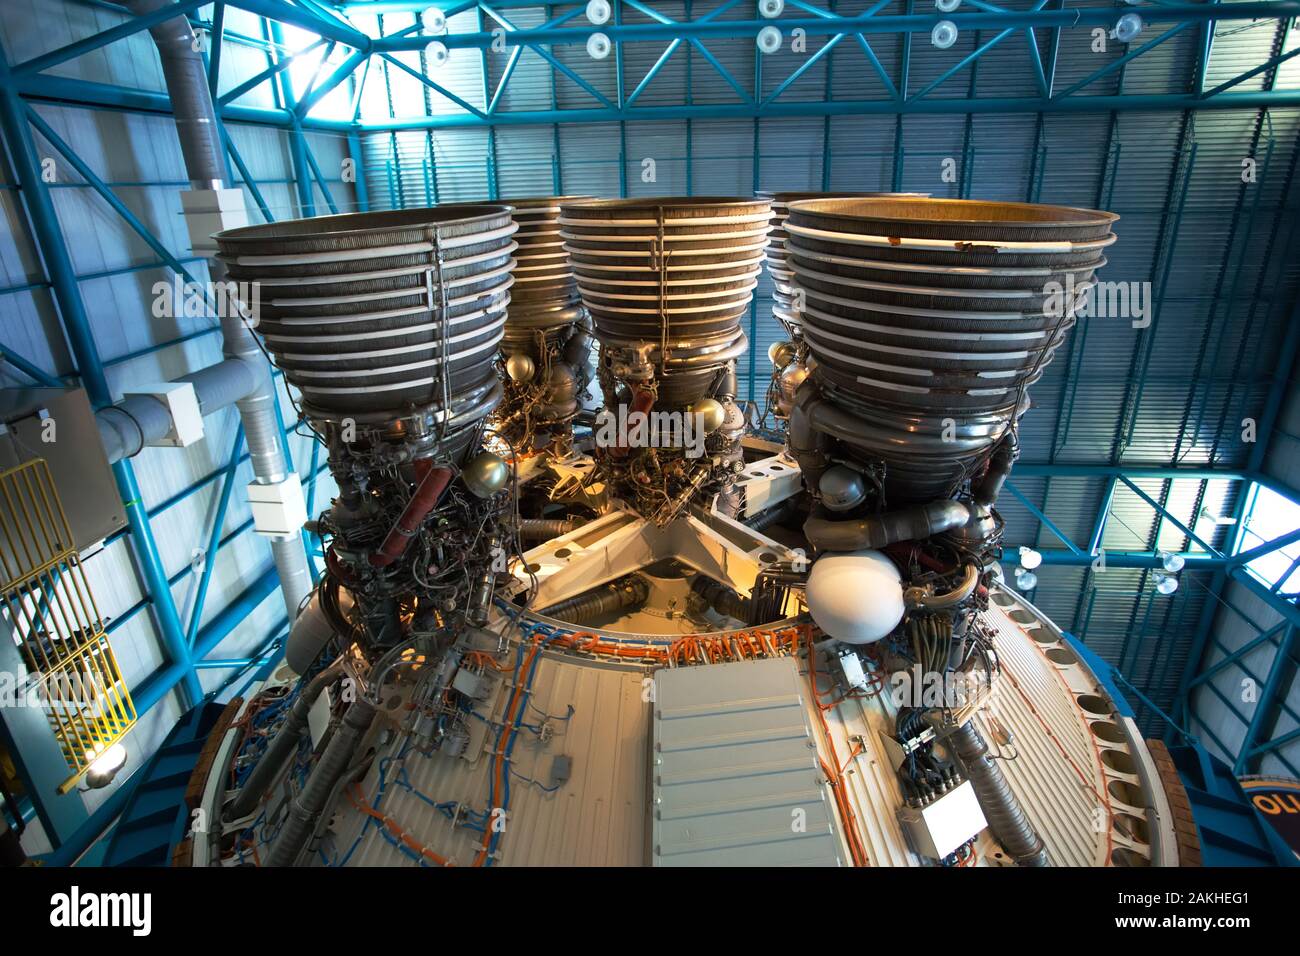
<point x="200" y="140"/>
<point x="918" y="598"/>
<point x="877" y="531"/>
<point x="313" y="630"/>
<point x="621" y="595"/>
<point x="305" y="809"/>
<point x="281" y="746"/>
<point x="544" y="529"/>
<point x="128" y="427"/>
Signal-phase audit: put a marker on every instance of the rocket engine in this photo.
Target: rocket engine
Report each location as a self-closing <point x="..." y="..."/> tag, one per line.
<point x="388" y="324"/>
<point x="666" y="282"/>
<point x="545" y="353"/>
<point x="926" y="321"/>
<point x="790" y="358"/>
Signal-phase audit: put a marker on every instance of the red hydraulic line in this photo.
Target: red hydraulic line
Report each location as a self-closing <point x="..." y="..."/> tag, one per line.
<point x="432" y="483"/>
<point x="642" y="401"/>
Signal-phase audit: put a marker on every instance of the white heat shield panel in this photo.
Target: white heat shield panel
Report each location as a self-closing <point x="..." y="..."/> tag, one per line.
<point x="736" y="780"/>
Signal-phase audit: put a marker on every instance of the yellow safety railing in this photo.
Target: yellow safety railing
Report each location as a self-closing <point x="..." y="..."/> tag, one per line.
<point x="49" y="608"/>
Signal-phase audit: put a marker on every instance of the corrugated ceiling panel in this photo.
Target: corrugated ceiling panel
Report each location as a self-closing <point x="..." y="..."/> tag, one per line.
<point x="600" y="75"/>
<point x="928" y="142"/>
<point x="1002" y="156"/>
<point x="1082" y="54"/>
<point x="854" y="78"/>
<point x="791" y="153"/>
<point x="530" y="83"/>
<point x="590" y="157"/>
<point x="668" y="87"/>
<point x="1238" y="47"/>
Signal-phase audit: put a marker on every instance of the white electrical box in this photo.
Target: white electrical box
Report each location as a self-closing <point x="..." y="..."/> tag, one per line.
<point x="279" y="509"/>
<point x="209" y="211"/>
<point x="943" y="825"/>
<point x="183" y="407"/>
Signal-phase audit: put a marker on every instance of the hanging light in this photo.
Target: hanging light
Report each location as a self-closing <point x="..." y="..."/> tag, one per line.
<point x="768" y="40"/>
<point x="944" y="34"/>
<point x="105" y="767"/>
<point x="435" y="21"/>
<point x="1127" y="28"/>
<point x="1171" y="562"/>
<point x="598" y="46"/>
<point x="1026" y="580"/>
<point x="1166" y="583"/>
<point x="436" y="53"/>
<point x="1029" y="558"/>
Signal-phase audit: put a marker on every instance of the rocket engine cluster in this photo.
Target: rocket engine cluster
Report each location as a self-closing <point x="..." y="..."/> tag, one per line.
<point x="418" y="338"/>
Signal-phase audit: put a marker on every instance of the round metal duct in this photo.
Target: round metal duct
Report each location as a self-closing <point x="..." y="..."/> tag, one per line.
<point x="929" y="318"/>
<point x="675" y="275"/>
<point x="777" y="265"/>
<point x="360" y="310"/>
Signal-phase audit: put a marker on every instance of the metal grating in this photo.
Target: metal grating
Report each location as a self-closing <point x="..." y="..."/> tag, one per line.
<point x="53" y="619"/>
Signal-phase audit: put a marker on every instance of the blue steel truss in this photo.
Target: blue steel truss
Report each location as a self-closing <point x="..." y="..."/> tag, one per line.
<point x="187" y="644"/>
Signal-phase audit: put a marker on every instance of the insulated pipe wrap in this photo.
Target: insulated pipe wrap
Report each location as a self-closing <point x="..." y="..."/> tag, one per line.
<point x="281" y="746"/>
<point x="201" y="145"/>
<point x="877" y="531"/>
<point x="624" y="594"/>
<point x="306" y="808"/>
<point x="187" y="86"/>
<point x="544" y="529"/>
<point x="1001" y="809"/>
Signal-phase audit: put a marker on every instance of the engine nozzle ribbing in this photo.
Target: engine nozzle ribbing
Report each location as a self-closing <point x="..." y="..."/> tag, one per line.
<point x="382" y="312"/>
<point x="668" y="280"/>
<point x="928" y="319"/>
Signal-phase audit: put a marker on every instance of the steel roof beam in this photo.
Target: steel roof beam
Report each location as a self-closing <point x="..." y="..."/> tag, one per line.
<point x="866" y="24"/>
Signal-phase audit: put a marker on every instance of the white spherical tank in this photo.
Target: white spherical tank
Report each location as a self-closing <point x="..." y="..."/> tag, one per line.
<point x="857" y="597"/>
